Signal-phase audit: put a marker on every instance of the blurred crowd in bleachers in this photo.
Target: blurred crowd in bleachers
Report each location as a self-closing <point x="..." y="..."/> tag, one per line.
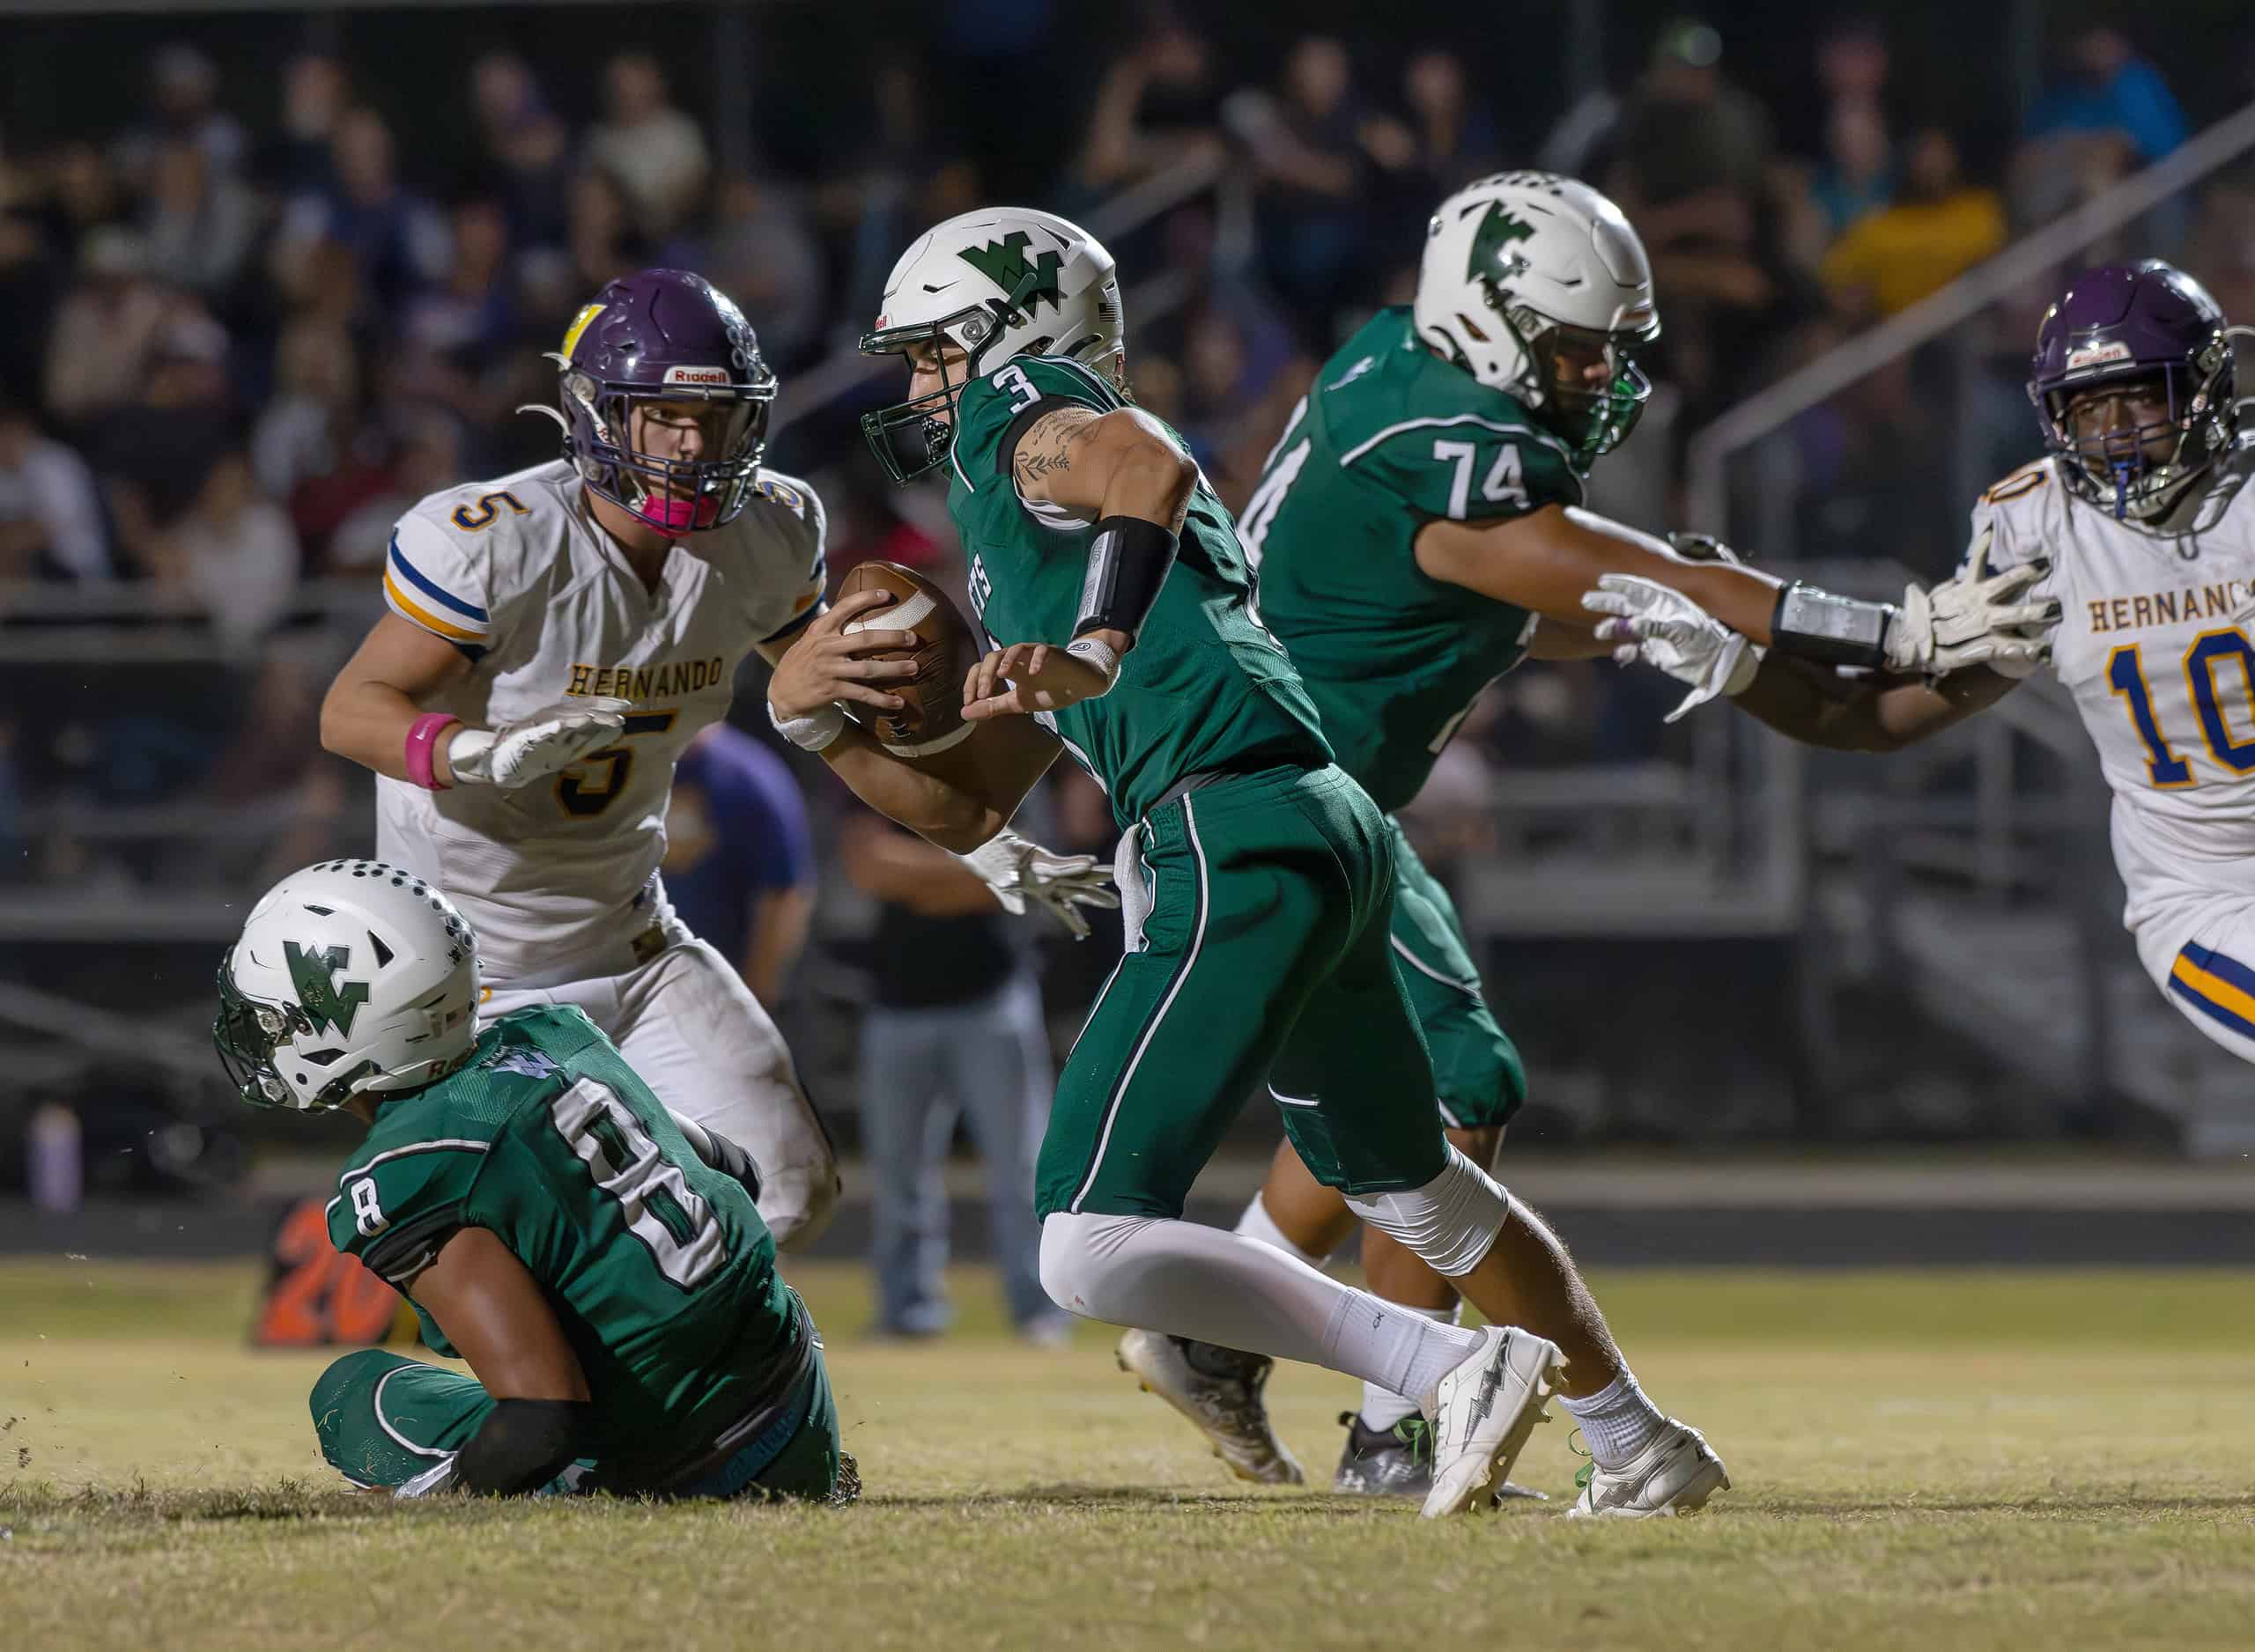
<point x="244" y="331"/>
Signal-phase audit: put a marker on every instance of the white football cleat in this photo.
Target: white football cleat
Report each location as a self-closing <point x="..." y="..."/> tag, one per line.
<point x="1674" y="1475"/>
<point x="1482" y="1413"/>
<point x="1219" y="1390"/>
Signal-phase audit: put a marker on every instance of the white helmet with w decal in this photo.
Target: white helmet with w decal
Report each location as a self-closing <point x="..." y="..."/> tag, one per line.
<point x="350" y="975"/>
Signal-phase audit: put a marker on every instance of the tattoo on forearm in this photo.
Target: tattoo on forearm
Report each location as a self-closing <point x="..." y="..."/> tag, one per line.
<point x="1049" y="444"/>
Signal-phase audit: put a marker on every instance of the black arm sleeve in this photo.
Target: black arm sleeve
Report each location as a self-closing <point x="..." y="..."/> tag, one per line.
<point x="731" y="1160"/>
<point x="1129" y="560"/>
<point x="522" y="1444"/>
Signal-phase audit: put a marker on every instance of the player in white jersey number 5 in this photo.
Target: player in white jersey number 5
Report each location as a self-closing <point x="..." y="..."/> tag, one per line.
<point x="2127" y="559"/>
<point x="556" y="638"/>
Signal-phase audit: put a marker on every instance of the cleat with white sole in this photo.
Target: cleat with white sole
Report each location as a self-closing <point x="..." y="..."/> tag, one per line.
<point x="1484" y="1412"/>
<point x="1673" y="1477"/>
<point x="1219" y="1390"/>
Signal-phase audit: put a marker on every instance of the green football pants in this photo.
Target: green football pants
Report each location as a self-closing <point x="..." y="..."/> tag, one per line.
<point x="1477" y="1075"/>
<point x="1265" y="952"/>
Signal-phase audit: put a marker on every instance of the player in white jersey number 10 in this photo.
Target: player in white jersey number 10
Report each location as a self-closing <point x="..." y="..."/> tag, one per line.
<point x="556" y="638"/>
<point x="2127" y="559"/>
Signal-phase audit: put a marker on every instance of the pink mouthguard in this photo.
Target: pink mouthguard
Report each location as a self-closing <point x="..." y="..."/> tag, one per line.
<point x="677" y="517"/>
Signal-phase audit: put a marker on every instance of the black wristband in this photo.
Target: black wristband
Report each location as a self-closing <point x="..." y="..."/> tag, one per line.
<point x="1810" y="624"/>
<point x="731" y="1160"/>
<point x="522" y="1444"/>
<point x="1128" y="559"/>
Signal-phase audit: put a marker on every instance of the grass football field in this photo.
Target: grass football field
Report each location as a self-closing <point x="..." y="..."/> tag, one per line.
<point x="1924" y="1461"/>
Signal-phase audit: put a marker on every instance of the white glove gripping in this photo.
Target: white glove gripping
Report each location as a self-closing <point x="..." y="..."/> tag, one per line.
<point x="552" y="738"/>
<point x="1019" y="871"/>
<point x="1976" y="619"/>
<point x="1669" y="630"/>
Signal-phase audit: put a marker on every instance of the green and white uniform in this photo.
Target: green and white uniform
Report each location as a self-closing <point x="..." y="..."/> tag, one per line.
<point x="1389" y="439"/>
<point x="706" y="1372"/>
<point x="1269" y="872"/>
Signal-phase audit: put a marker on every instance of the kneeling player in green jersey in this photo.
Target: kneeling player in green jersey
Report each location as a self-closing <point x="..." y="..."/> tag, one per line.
<point x="1112" y="588"/>
<point x="597" y="1261"/>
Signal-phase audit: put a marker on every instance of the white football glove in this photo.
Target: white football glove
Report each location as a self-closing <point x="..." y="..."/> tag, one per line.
<point x="1019" y="871"/>
<point x="552" y="738"/>
<point x="1669" y="630"/>
<point x="1977" y="618"/>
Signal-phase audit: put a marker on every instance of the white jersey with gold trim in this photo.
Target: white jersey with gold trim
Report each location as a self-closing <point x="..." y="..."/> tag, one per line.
<point x="2153" y="644"/>
<point x="560" y="875"/>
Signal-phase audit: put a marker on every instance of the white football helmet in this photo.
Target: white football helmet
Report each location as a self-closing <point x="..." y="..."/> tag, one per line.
<point x="997" y="282"/>
<point x="1529" y="278"/>
<point x="349" y="976"/>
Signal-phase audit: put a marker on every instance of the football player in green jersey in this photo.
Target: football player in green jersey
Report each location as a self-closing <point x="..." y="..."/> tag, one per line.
<point x="596" y="1260"/>
<point x="1416" y="532"/>
<point x="1258" y="876"/>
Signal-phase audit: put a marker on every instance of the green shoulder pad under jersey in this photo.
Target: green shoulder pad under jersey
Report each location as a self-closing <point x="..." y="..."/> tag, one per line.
<point x="1205" y="687"/>
<point x="660" y="1272"/>
<point x="1389" y="439"/>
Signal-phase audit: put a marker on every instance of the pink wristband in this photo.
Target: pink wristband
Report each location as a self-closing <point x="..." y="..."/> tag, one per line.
<point x="422" y="742"/>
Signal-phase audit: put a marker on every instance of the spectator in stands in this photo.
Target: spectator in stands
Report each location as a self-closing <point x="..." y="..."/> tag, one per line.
<point x="396" y="240"/>
<point x="1156" y="110"/>
<point x="525" y="146"/>
<point x="2108" y="88"/>
<point x="655" y="151"/>
<point x="50" y="517"/>
<point x="233" y="550"/>
<point x="605" y="240"/>
<point x="1455" y="137"/>
<point x="457" y="331"/>
<point x="1856" y="174"/>
<point x="316" y="94"/>
<point x="83" y="193"/>
<point x="105" y="329"/>
<point x="739" y="864"/>
<point x="197" y="226"/>
<point x="184" y="90"/>
<point x="1938" y="227"/>
<point x="1313" y="150"/>
<point x="303" y="432"/>
<point x="954" y="1026"/>
<point x="155" y="456"/>
<point x="761" y="251"/>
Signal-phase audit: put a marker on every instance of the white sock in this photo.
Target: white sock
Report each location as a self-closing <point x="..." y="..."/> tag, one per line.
<point x="1382" y="1407"/>
<point x="1257" y="1223"/>
<point x="1184" y="1279"/>
<point x="1617" y="1422"/>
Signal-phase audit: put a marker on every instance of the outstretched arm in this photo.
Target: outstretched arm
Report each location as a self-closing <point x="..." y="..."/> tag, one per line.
<point x="1818" y="706"/>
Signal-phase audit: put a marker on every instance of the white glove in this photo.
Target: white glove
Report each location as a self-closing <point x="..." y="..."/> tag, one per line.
<point x="517" y="754"/>
<point x="1666" y="630"/>
<point x="1019" y="871"/>
<point x="1975" y="619"/>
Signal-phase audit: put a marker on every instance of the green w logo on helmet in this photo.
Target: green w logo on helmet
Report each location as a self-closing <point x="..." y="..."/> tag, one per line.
<point x="1004" y="262"/>
<point x="324" y="1005"/>
<point x="1490" y="245"/>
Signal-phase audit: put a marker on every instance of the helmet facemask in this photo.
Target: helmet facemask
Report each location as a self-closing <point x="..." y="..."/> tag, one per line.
<point x="2113" y="466"/>
<point x="675" y="495"/>
<point x="912" y="438"/>
<point x="247" y="1034"/>
<point x="1591" y="418"/>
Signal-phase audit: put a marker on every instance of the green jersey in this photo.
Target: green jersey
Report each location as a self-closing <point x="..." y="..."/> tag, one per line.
<point x="660" y="1270"/>
<point x="1204" y="688"/>
<point x="1389" y="439"/>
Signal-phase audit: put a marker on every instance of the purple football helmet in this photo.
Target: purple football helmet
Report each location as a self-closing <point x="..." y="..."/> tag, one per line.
<point x="665" y="336"/>
<point x="2123" y="323"/>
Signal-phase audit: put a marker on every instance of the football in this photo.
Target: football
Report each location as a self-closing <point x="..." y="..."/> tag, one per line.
<point x="944" y="652"/>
